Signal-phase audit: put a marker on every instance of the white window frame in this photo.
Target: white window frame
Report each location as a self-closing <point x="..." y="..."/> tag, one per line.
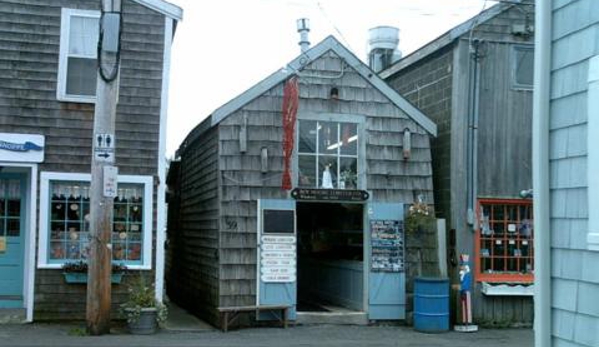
<point x="593" y="154"/>
<point x="48" y="177"/>
<point x="359" y="120"/>
<point x="65" y="29"/>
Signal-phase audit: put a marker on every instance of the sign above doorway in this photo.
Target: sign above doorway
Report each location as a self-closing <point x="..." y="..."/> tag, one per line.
<point x="311" y="194"/>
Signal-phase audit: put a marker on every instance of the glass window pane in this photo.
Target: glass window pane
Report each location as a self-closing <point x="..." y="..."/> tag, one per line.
<point x="2" y="206"/>
<point x="524" y="66"/>
<point x="307" y="171"/>
<point x="81" y="76"/>
<point x="348" y="173"/>
<point x="307" y="136"/>
<point x="13" y="208"/>
<point x="83" y="36"/>
<point x="349" y="139"/>
<point x="328" y="137"/>
<point x="327" y="178"/>
<point x="13" y="227"/>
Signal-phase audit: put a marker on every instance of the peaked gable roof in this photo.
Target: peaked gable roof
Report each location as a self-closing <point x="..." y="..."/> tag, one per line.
<point x="173" y="11"/>
<point x="450" y="36"/>
<point x="328" y="44"/>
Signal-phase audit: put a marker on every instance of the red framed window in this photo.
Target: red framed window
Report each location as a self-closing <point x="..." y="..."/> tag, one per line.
<point x="504" y="241"/>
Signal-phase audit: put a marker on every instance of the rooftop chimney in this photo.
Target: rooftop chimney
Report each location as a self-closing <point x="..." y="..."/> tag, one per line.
<point x="382" y="47"/>
<point x="303" y="28"/>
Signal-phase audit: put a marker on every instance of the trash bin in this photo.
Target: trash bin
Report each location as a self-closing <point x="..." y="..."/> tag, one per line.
<point x="431" y="304"/>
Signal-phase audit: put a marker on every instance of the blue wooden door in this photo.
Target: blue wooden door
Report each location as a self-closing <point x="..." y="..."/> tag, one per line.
<point x="11" y="240"/>
<point x="387" y="280"/>
<point x="277" y="258"/>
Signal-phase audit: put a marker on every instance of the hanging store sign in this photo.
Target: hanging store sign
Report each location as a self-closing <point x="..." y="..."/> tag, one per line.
<point x="26" y="148"/>
<point x="313" y="194"/>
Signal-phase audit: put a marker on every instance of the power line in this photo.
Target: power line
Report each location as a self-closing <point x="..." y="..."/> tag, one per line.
<point x="321" y="8"/>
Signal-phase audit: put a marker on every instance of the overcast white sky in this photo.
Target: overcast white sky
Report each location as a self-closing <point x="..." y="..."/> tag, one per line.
<point x="224" y="47"/>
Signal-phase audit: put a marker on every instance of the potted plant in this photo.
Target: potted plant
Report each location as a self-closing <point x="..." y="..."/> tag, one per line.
<point x="348" y="179"/>
<point x="143" y="312"/>
<point x="420" y="218"/>
<point x="76" y="272"/>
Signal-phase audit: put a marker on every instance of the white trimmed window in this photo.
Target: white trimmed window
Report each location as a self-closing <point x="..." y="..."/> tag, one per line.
<point x="65" y="217"/>
<point x="77" y="71"/>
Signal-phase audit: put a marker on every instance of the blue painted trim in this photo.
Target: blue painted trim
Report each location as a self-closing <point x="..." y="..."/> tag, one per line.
<point x="79" y="277"/>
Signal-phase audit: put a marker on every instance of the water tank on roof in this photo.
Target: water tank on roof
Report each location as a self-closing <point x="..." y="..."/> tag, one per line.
<point x="382" y="47"/>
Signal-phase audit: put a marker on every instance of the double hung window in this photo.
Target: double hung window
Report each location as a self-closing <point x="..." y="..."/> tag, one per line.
<point x="77" y="66"/>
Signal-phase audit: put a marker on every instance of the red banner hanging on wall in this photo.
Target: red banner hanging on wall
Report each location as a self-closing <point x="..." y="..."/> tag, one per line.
<point x="290" y="105"/>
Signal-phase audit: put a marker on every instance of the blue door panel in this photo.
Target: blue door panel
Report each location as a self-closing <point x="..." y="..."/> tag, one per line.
<point x="11" y="260"/>
<point x="386" y="290"/>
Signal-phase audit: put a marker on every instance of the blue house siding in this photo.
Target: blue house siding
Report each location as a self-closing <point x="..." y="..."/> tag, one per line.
<point x="575" y="279"/>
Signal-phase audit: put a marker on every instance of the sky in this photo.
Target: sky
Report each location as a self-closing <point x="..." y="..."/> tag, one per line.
<point x="224" y="47"/>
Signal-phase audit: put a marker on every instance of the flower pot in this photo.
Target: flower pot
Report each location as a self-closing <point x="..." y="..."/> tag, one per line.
<point x="146" y="323"/>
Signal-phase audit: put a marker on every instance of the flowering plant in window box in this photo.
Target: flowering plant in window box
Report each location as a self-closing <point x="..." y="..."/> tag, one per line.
<point x="420" y="218"/>
<point x="76" y="272"/>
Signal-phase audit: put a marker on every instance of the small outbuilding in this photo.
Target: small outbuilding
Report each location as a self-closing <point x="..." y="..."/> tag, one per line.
<point x="294" y="193"/>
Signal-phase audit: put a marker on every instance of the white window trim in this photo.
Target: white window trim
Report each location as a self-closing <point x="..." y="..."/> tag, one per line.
<point x="593" y="154"/>
<point x="65" y="28"/>
<point x="46" y="177"/>
<point x="360" y="120"/>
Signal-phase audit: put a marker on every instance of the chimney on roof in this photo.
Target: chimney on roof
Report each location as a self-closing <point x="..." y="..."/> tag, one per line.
<point x="382" y="47"/>
<point x="303" y="28"/>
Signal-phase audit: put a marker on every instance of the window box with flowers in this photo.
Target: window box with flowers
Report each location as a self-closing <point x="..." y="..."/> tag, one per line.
<point x="76" y="272"/>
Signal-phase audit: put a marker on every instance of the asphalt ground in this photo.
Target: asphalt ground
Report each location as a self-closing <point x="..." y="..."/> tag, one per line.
<point x="65" y="335"/>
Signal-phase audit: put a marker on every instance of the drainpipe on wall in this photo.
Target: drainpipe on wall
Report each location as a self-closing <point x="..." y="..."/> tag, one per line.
<point x="472" y="134"/>
<point x="540" y="174"/>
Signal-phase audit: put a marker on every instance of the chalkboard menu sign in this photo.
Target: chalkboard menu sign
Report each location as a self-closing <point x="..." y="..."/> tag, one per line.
<point x="278" y="222"/>
<point x="387" y="239"/>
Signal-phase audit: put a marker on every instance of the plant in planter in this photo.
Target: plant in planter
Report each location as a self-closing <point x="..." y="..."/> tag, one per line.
<point x="76" y="272"/>
<point x="143" y="312"/>
<point x="420" y="218"/>
<point x="349" y="179"/>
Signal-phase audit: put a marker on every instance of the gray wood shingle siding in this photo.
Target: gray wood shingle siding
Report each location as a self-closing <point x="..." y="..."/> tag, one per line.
<point x="29" y="42"/>
<point x="29" y="54"/>
<point x="575" y="283"/>
<point x="241" y="181"/>
<point x="438" y="84"/>
<point x="194" y="228"/>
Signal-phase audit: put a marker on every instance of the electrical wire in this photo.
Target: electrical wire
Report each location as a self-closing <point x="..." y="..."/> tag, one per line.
<point x="321" y="8"/>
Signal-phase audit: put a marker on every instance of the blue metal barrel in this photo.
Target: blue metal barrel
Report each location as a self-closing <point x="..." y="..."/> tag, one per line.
<point x="431" y="304"/>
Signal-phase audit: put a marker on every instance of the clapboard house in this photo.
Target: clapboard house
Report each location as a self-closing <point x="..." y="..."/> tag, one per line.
<point x="47" y="100"/>
<point x="475" y="82"/>
<point x="288" y="193"/>
<point x="566" y="184"/>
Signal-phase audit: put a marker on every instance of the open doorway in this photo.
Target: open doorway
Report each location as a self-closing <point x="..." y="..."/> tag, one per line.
<point x="330" y="256"/>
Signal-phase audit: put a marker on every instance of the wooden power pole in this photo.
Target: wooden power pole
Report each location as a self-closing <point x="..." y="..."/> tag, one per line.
<point x="103" y="172"/>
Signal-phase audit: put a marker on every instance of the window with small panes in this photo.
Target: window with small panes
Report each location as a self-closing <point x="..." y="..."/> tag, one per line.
<point x="65" y="220"/>
<point x="504" y="241"/>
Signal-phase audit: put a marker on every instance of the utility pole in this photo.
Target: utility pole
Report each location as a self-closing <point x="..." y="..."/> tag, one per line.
<point x="103" y="172"/>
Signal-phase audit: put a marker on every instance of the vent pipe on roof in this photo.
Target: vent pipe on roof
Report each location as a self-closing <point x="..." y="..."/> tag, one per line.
<point x="382" y="47"/>
<point x="303" y="28"/>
